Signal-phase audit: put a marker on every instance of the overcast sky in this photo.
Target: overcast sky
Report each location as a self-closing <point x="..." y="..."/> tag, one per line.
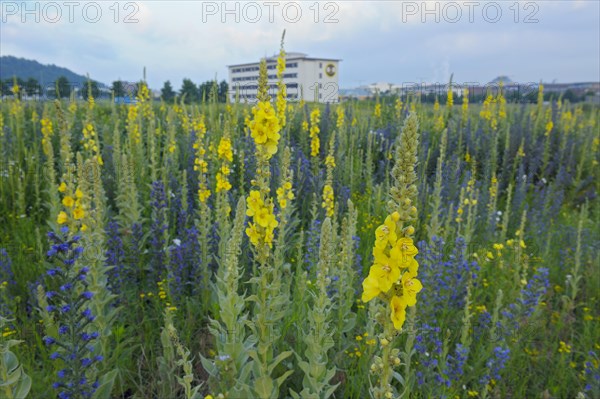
<point x="386" y="41"/>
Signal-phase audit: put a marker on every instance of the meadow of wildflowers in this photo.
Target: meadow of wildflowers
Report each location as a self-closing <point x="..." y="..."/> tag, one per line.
<point x="384" y="249"/>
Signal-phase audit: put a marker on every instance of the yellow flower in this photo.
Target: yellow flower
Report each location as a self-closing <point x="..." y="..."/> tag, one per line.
<point x="78" y="213"/>
<point x="62" y="218"/>
<point x="328" y="200"/>
<point x="222" y="183"/>
<point x="62" y="188"/>
<point x="406" y="247"/>
<point x="224" y="149"/>
<point x="398" y="316"/>
<point x="254" y="203"/>
<point x="68" y="201"/>
<point x="252" y="234"/>
<point x="386" y="233"/>
<point x="264" y="128"/>
<point x="78" y="193"/>
<point x="269" y="236"/>
<point x="411" y="287"/>
<point x="203" y="194"/>
<point x="315" y="144"/>
<point x="409" y="263"/>
<point x="564" y="347"/>
<point x="330" y="161"/>
<point x="385" y="273"/>
<point x="370" y="288"/>
<point x="265" y="217"/>
<point x="377" y="111"/>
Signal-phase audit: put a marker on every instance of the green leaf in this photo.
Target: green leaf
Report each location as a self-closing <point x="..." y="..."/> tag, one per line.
<point x="263" y="386"/>
<point x="11" y="362"/>
<point x="106" y="384"/>
<point x="209" y="366"/>
<point x="282" y="356"/>
<point x="285" y="375"/>
<point x="23" y="387"/>
<point x="331" y="390"/>
<point x="350" y="323"/>
<point x="398" y="377"/>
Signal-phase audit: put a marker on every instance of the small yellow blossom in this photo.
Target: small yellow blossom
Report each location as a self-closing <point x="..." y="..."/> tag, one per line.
<point x="564" y="347"/>
<point x="68" y="201"/>
<point x="62" y="218"/>
<point x="78" y="213"/>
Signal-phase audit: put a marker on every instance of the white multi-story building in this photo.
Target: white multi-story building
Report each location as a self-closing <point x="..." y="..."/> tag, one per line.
<point x="316" y="79"/>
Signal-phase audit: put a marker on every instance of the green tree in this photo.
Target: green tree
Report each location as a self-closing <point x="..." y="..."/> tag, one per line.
<point x="189" y="90"/>
<point x="205" y="89"/>
<point x="63" y="86"/>
<point x="118" y="89"/>
<point x="167" y="93"/>
<point x="32" y="87"/>
<point x="571" y="96"/>
<point x="5" y="86"/>
<point x="223" y="91"/>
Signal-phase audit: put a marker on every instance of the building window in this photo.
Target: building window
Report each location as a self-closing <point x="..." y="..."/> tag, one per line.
<point x="320" y="75"/>
<point x="321" y="65"/>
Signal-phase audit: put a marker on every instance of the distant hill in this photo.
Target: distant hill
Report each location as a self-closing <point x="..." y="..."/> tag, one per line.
<point x="45" y="74"/>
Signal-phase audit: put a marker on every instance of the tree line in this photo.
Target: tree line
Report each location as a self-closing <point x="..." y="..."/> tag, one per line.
<point x="189" y="91"/>
<point x="62" y="87"/>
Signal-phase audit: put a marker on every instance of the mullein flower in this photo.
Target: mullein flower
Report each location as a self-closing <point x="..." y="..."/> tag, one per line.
<point x="133" y="126"/>
<point x="315" y="143"/>
<point x="281" y="87"/>
<point x="200" y="164"/>
<point x="69" y="303"/>
<point x="340" y="117"/>
<point x="328" y="196"/>
<point x="90" y="141"/>
<point x="264" y="129"/>
<point x="47" y="132"/>
<point x="328" y="200"/>
<point x="398" y="106"/>
<point x="392" y="276"/>
<point x="377" y="111"/>
<point x="74" y="208"/>
<point x="285" y="194"/>
<point x="465" y="107"/>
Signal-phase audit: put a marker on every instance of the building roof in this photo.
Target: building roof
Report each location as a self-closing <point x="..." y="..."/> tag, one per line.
<point x="288" y="57"/>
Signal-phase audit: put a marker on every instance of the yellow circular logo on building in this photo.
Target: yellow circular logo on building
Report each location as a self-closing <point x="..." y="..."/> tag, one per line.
<point x="330" y="70"/>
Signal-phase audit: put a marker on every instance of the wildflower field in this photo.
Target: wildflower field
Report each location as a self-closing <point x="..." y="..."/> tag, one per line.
<point x="384" y="249"/>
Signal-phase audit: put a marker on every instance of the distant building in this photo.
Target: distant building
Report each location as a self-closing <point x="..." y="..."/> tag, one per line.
<point x="315" y="78"/>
